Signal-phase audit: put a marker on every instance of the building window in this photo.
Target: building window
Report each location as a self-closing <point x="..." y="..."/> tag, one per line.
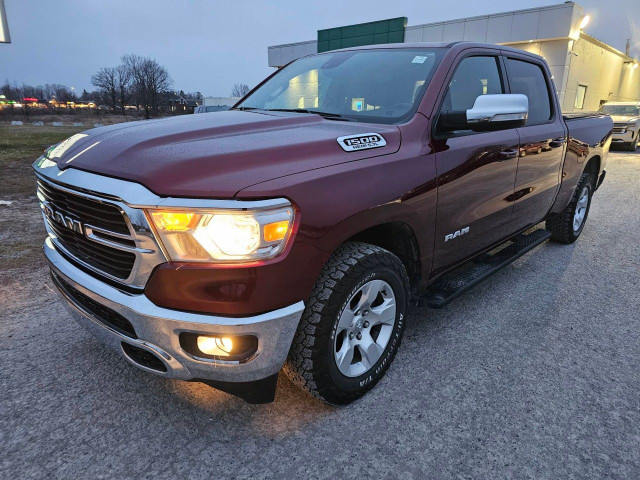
<point x="581" y="92"/>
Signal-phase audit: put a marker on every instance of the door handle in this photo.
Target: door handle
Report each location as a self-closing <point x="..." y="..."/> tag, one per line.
<point x="557" y="142"/>
<point x="508" y="153"/>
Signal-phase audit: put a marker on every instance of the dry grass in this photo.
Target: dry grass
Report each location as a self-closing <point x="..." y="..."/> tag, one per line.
<point x="68" y="118"/>
<point x="19" y="148"/>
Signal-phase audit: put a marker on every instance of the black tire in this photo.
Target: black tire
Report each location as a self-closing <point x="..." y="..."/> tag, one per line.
<point x="311" y="363"/>
<point x="634" y="145"/>
<point x="561" y="226"/>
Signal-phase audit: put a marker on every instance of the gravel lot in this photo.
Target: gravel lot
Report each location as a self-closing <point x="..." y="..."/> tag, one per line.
<point x="533" y="374"/>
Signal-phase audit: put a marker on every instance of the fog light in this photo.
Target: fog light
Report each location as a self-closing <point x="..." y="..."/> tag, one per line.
<point x="217" y="346"/>
<point x="227" y="348"/>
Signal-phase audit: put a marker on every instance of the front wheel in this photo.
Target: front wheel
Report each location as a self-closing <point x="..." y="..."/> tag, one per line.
<point x="567" y="226"/>
<point x="634" y="145"/>
<point x="352" y="326"/>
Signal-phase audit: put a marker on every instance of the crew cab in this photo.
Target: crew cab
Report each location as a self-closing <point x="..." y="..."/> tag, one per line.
<point x="295" y="230"/>
<point x="626" y="123"/>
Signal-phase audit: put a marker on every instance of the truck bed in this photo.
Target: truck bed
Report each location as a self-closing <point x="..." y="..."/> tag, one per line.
<point x="588" y="128"/>
<point x="575" y="115"/>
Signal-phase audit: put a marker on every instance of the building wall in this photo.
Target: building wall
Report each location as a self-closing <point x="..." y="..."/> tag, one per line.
<point x="556" y="21"/>
<point x="553" y="32"/>
<point x="280" y="55"/>
<point x="520" y="26"/>
<point x="213" y="101"/>
<point x="604" y="73"/>
<point x="556" y="53"/>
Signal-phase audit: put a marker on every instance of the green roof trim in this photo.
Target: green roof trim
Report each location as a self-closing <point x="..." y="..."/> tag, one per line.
<point x="371" y="33"/>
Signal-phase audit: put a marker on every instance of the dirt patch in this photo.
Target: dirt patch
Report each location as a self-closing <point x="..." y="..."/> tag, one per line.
<point x="21" y="227"/>
<point x="21" y="234"/>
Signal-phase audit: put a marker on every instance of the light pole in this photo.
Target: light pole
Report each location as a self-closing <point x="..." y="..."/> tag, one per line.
<point x="4" y="25"/>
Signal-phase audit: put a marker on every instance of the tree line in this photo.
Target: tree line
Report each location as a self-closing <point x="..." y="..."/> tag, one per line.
<point x="50" y="90"/>
<point x="137" y="80"/>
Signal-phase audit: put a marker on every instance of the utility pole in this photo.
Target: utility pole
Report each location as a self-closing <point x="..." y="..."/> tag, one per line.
<point x="627" y="49"/>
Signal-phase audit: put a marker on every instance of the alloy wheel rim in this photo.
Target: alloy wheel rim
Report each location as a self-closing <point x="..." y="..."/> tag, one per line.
<point x="581" y="209"/>
<point x="364" y="328"/>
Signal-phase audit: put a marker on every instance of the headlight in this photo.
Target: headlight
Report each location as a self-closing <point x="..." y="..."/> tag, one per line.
<point x="225" y="236"/>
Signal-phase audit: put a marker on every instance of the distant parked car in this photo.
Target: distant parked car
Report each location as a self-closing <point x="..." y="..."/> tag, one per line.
<point x="211" y="108"/>
<point x="626" y="122"/>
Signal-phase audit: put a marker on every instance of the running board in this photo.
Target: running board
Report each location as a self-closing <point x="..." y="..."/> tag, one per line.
<point x="453" y="284"/>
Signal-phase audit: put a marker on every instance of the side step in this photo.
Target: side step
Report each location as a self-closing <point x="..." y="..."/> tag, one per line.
<point x="453" y="284"/>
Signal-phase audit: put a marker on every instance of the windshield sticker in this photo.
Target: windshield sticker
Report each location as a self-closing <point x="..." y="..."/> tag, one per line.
<point x="364" y="141"/>
<point x="418" y="59"/>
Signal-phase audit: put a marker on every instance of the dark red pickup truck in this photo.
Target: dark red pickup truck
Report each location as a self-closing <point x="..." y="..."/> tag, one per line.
<point x="297" y="228"/>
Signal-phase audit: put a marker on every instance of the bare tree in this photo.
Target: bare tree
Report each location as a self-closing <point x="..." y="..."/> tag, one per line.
<point x="149" y="80"/>
<point x="239" y="90"/>
<point x="106" y="80"/>
<point x="123" y="84"/>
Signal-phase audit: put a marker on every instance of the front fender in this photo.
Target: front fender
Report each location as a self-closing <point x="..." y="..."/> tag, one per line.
<point x="338" y="202"/>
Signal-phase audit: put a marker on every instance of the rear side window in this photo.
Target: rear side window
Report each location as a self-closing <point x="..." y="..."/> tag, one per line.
<point x="475" y="76"/>
<point x="528" y="79"/>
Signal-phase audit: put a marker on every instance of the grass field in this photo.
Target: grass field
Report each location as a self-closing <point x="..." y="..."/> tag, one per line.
<point x="21" y="228"/>
<point x="19" y="147"/>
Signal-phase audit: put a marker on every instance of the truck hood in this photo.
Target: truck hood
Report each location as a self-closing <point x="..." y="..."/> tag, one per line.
<point x="624" y="119"/>
<point x="215" y="155"/>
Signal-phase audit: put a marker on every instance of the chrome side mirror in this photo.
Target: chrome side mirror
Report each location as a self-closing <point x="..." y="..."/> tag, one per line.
<point x="489" y="112"/>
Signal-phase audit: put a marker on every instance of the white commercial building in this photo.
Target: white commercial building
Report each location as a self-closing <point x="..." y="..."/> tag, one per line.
<point x="220" y="101"/>
<point x="586" y="71"/>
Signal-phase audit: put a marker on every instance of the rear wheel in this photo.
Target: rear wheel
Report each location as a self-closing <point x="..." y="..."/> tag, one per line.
<point x="352" y="326"/>
<point x="567" y="226"/>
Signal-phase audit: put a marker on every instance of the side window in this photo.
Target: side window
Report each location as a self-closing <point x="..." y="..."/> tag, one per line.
<point x="474" y="76"/>
<point x="528" y="79"/>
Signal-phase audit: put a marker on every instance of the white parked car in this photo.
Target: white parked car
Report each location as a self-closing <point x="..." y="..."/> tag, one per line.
<point x="210" y="108"/>
<point x="626" y="122"/>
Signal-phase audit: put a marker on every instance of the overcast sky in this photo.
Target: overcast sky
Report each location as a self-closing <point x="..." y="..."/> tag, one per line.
<point x="209" y="45"/>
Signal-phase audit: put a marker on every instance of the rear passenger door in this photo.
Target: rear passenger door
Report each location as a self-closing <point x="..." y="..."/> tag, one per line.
<point x="476" y="170"/>
<point x="542" y="143"/>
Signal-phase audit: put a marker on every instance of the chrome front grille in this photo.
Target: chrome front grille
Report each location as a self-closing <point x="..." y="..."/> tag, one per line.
<point x="92" y="232"/>
<point x="96" y="230"/>
<point x="619" y="128"/>
<point x="99" y="223"/>
<point x="88" y="211"/>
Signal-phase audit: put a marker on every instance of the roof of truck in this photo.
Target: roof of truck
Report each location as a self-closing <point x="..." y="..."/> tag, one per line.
<point x="460" y="44"/>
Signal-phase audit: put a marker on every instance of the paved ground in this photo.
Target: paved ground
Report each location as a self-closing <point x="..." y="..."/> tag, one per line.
<point x="534" y="374"/>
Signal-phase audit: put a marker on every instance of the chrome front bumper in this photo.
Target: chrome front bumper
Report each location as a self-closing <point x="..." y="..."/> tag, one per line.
<point x="158" y="329"/>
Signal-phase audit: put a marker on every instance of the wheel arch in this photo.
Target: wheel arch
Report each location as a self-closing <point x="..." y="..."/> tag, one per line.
<point x="592" y="167"/>
<point x="571" y="177"/>
<point x="399" y="238"/>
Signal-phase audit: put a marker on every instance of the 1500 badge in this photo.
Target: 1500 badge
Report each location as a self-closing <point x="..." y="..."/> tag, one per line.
<point x="364" y="141"/>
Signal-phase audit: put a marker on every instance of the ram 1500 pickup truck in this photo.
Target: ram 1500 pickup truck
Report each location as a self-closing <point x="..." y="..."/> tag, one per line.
<point x="295" y="230"/>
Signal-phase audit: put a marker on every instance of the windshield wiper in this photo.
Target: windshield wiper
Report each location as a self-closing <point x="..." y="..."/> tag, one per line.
<point x="327" y="115"/>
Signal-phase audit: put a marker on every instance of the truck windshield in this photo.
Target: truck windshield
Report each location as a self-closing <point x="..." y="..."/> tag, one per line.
<point x="622" y="110"/>
<point x="378" y="85"/>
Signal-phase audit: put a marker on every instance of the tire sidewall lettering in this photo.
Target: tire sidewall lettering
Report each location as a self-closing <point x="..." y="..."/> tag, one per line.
<point x="373" y="374"/>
